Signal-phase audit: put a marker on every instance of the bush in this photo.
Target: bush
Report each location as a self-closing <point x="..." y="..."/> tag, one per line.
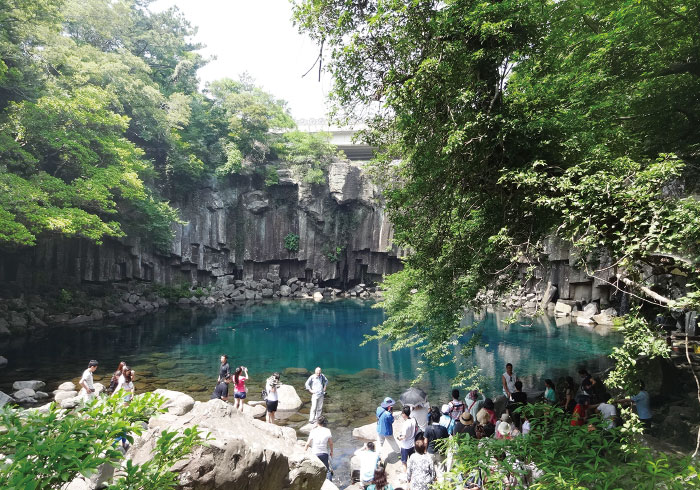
<point x="45" y="450"/>
<point x="291" y="243"/>
<point x="557" y="455"/>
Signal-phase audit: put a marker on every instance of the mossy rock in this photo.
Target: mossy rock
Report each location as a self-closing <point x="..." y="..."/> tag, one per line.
<point x="166" y="365"/>
<point x="296" y="371"/>
<point x="195" y="389"/>
<point x="297" y="417"/>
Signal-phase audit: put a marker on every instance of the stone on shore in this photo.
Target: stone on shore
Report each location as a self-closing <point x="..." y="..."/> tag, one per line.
<point x="67" y="386"/>
<point x="243" y="452"/>
<point x="605" y="317"/>
<point x="289" y="400"/>
<point x="24" y="395"/>
<point x="177" y="403"/>
<point x="255" y="411"/>
<point x="61" y="395"/>
<point x="32" y="385"/>
<point x="562" y="309"/>
<point x="5" y="399"/>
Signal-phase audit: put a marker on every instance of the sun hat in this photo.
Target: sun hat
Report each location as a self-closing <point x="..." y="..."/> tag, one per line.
<point x="483" y="417"/>
<point x="388" y="402"/>
<point x="505" y="418"/>
<point x="504" y="428"/>
<point x="466" y="418"/>
<point x="445" y="409"/>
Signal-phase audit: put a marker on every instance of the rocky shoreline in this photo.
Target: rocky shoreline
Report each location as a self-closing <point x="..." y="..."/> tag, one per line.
<point x="26" y="313"/>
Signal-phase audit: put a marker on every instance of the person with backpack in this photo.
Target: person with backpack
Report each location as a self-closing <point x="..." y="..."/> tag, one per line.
<point x="316" y="385"/>
<point x="474" y="403"/>
<point x="385" y="425"/>
<point x="456" y="407"/>
<point x="114" y="381"/>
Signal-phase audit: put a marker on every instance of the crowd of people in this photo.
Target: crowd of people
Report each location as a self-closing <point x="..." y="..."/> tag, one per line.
<point x="422" y="425"/>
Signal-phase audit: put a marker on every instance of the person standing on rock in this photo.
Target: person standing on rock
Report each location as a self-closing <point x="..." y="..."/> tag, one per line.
<point x="385" y="425"/>
<point x="407" y="438"/>
<point x="239" y="390"/>
<point x="86" y="380"/>
<point x="271" y="398"/>
<point x="321" y="443"/>
<point x="508" y="380"/>
<point x="225" y="369"/>
<point x="316" y="385"/>
<point x="221" y="390"/>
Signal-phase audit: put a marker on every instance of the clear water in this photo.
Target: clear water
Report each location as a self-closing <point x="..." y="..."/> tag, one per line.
<point x="180" y="349"/>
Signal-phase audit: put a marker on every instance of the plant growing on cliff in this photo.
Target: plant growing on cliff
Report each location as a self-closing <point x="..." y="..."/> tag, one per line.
<point x="333" y="253"/>
<point x="48" y="449"/>
<point x="291" y="242"/>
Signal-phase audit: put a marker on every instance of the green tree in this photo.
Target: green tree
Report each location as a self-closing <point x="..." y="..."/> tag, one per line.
<point x="515" y="120"/>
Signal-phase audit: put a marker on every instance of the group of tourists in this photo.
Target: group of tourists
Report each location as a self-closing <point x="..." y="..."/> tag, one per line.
<point x="121" y="383"/>
<point x="476" y="416"/>
<point x="423" y="426"/>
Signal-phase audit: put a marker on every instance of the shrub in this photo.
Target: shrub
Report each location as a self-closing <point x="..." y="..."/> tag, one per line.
<point x="291" y="242"/>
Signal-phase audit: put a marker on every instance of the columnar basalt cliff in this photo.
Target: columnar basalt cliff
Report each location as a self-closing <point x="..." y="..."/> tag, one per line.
<point x="236" y="231"/>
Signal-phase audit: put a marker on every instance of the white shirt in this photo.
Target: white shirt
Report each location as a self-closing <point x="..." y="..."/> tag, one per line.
<point x="319" y="437"/>
<point x="609" y="412"/>
<point x="368" y="463"/>
<point x="87" y="378"/>
<point x="271" y="393"/>
<point x="408" y="430"/>
<point x="510" y="381"/>
<point x="123" y="385"/>
<point x="526" y="427"/>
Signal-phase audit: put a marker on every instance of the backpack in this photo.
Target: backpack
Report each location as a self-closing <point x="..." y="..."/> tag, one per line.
<point x="451" y="427"/>
<point x="113" y="383"/>
<point x="456" y="409"/>
<point x="263" y="394"/>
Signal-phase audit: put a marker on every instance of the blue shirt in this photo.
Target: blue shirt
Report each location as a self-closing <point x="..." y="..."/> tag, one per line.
<point x="641" y="400"/>
<point x="385" y="422"/>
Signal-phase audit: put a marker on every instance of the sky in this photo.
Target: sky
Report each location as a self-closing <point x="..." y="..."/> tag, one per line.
<point x="258" y="37"/>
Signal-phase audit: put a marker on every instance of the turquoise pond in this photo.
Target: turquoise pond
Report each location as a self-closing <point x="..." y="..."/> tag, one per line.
<point x="179" y="349"/>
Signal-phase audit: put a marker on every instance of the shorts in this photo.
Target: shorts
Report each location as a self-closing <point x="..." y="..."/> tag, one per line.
<point x="240" y="395"/>
<point x="406" y="453"/>
<point x="271" y="406"/>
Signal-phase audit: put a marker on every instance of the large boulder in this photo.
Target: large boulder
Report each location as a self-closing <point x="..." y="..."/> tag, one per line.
<point x="605" y="317"/>
<point x="177" y="403"/>
<point x="32" y="385"/>
<point x="242" y="453"/>
<point x="562" y="309"/>
<point x="61" y="395"/>
<point x="24" y="395"/>
<point x="588" y="311"/>
<point x="289" y="400"/>
<point x="67" y="386"/>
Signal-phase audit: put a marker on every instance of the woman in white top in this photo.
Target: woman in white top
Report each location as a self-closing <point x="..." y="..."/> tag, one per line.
<point x="126" y="385"/>
<point x="508" y="379"/>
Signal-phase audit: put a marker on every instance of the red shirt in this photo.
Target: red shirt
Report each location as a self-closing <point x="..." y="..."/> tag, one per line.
<point x="579" y="417"/>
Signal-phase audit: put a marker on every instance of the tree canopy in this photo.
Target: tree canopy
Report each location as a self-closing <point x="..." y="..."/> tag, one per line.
<point x="514" y="120"/>
<point x="103" y="123"/>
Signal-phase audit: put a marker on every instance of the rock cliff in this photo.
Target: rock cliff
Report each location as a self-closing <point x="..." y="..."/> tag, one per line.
<point x="235" y="231"/>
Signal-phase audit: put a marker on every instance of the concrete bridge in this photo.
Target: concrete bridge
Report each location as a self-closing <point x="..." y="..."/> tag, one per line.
<point x="340" y="136"/>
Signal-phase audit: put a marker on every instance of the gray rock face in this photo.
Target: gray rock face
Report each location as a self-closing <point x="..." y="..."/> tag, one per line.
<point x="3" y="361"/>
<point x="244" y="453"/>
<point x="230" y="230"/>
<point x="32" y="385"/>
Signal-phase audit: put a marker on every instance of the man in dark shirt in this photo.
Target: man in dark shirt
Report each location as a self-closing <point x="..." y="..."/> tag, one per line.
<point x="224" y="370"/>
<point x="434" y="431"/>
<point x="221" y="390"/>
<point x="519" y="396"/>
